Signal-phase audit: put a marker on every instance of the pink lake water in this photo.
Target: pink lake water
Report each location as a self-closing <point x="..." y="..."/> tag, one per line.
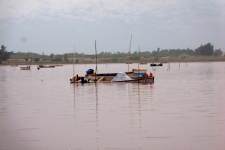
<point x="183" y="110"/>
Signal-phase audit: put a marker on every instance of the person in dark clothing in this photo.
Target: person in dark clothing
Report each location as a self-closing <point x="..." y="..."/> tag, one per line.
<point x="83" y="80"/>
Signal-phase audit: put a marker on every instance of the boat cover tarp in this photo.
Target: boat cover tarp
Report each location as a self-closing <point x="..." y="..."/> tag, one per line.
<point x="120" y="77"/>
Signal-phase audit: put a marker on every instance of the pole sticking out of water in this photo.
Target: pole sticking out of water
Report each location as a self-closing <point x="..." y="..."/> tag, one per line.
<point x="139" y="60"/>
<point x="168" y="67"/>
<point x="73" y="61"/>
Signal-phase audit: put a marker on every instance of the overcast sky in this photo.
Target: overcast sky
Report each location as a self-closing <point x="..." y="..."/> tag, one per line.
<point x="57" y="26"/>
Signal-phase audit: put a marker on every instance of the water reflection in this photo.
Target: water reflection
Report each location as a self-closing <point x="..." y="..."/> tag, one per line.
<point x="135" y="113"/>
<point x="75" y="87"/>
<point x="97" y="129"/>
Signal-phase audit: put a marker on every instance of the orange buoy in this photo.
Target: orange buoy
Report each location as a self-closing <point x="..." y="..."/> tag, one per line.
<point x="150" y="74"/>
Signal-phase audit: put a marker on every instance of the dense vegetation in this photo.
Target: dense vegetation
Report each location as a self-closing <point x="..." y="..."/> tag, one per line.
<point x="203" y="50"/>
<point x="4" y="55"/>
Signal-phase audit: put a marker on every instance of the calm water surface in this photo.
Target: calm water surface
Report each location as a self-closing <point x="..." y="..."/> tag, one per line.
<point x="183" y="110"/>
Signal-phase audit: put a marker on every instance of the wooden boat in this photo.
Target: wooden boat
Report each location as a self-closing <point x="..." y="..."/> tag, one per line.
<point x="136" y="75"/>
<point x="128" y="62"/>
<point x="43" y="66"/>
<point x="153" y="64"/>
<point x="25" y="68"/>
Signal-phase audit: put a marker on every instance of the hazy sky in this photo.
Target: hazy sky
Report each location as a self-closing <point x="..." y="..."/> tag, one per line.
<point x="55" y="26"/>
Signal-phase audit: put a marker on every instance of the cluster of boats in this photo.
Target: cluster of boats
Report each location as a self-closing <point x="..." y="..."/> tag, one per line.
<point x="39" y="66"/>
<point x="136" y="75"/>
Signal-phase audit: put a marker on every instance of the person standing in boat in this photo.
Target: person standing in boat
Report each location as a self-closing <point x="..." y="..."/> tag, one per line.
<point x="83" y="80"/>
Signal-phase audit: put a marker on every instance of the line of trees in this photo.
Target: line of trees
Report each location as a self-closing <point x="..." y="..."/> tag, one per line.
<point x="202" y="50"/>
<point x="208" y="50"/>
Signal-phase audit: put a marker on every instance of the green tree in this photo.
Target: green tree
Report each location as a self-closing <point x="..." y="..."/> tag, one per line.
<point x="26" y="59"/>
<point x="4" y="55"/>
<point x="134" y="57"/>
<point x="218" y="52"/>
<point x="36" y="59"/>
<point x="115" y="59"/>
<point x="65" y="57"/>
<point x="158" y="49"/>
<point x="51" y="55"/>
<point x="206" y="50"/>
<point x="57" y="58"/>
<point x="154" y="53"/>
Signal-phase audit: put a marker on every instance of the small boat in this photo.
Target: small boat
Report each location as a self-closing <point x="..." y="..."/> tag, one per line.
<point x="136" y="75"/>
<point x="43" y="66"/>
<point x="153" y="64"/>
<point x="25" y="68"/>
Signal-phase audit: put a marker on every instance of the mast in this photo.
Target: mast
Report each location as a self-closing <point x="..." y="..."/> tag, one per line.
<point x="96" y="68"/>
<point x="129" y="51"/>
<point x="139" y="60"/>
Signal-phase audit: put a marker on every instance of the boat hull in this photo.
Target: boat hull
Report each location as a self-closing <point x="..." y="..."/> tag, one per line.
<point x="153" y="65"/>
<point x="108" y="79"/>
<point x="145" y="80"/>
<point x="24" y="68"/>
<point x="46" y="66"/>
<point x="136" y="76"/>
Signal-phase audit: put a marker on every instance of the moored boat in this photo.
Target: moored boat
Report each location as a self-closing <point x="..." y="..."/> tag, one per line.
<point x="25" y="68"/>
<point x="153" y="64"/>
<point x="43" y="66"/>
<point x="136" y="75"/>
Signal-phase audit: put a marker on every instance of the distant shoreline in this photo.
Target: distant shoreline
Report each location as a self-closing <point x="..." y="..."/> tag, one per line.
<point x="51" y="63"/>
<point x="119" y="60"/>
